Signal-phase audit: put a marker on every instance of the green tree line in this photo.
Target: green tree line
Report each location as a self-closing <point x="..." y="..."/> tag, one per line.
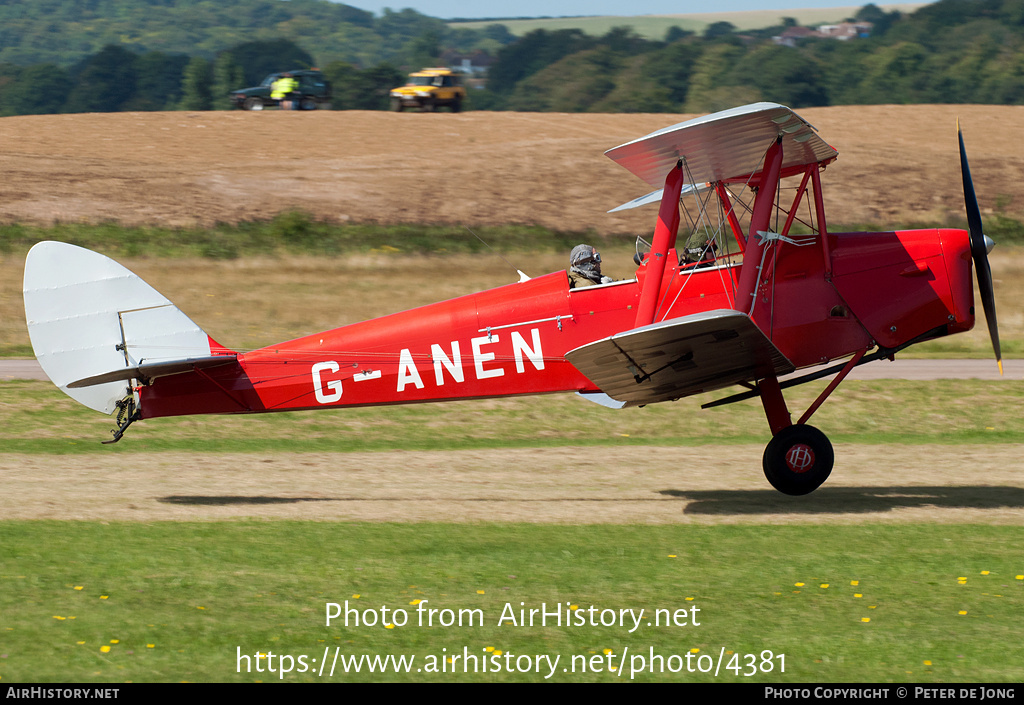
<point x="66" y="32"/>
<point x="951" y="51"/>
<point x="116" y="79"/>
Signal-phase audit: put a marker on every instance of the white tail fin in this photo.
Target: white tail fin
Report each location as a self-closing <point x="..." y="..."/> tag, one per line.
<point x="89" y="316"/>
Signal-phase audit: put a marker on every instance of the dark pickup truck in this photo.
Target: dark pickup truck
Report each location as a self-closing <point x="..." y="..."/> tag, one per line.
<point x="314" y="92"/>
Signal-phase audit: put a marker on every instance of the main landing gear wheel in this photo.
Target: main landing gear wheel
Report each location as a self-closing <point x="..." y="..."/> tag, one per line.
<point x="798" y="459"/>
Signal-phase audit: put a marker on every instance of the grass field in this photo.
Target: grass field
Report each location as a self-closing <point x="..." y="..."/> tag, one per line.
<point x="180" y="601"/>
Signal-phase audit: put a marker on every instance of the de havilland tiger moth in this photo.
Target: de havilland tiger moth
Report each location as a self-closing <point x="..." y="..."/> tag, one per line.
<point x="755" y="289"/>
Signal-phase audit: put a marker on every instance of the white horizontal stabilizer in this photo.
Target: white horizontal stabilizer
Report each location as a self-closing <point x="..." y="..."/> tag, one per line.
<point x="152" y="370"/>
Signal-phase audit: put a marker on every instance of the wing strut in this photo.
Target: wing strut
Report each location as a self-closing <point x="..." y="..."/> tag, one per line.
<point x="760" y="219"/>
<point x="664" y="240"/>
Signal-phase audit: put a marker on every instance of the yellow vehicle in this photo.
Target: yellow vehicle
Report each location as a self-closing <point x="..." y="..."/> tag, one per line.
<point x="429" y="89"/>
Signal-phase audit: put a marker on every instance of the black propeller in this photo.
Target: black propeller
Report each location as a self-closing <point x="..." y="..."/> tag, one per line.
<point x="980" y="246"/>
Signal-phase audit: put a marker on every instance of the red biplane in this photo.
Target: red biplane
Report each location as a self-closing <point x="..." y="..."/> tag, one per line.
<point x="759" y="289"/>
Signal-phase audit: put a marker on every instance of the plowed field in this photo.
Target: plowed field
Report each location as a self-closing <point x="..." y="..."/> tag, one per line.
<point x="896" y="164"/>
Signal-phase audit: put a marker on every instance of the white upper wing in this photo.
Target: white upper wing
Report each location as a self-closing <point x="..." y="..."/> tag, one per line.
<point x="726" y="145"/>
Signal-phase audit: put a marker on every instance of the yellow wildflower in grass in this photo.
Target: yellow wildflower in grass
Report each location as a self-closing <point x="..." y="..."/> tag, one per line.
<point x="57" y="616"/>
<point x="356" y="596"/>
<point x="480" y="592"/>
<point x="984" y="572"/>
<point x="574" y="607"/>
<point x="103" y="597"/>
<point x="798" y="584"/>
<point x="498" y="652"/>
<point x="694" y="650"/>
<point x="689" y="599"/>
<point x="865" y="619"/>
<point x="415" y="602"/>
<point x="200" y="607"/>
<point x="927" y="663"/>
<point x="855" y="583"/>
<point x="824" y="586"/>
<point x="79" y="642"/>
<point x="672" y="555"/>
<point x="489" y="648"/>
<point x="1019" y="577"/>
<point x="606" y="651"/>
<point x="857" y="594"/>
<point x="115" y="641"/>
<point x="962" y="612"/>
<point x="79" y="587"/>
<point x="389" y="626"/>
<point x="105" y="649"/>
<point x="150" y="646"/>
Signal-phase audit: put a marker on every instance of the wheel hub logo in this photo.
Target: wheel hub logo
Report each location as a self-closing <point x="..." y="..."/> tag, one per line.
<point x="800" y="458"/>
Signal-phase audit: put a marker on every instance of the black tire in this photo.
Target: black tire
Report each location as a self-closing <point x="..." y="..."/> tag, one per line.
<point x="428" y="106"/>
<point x="798" y="460"/>
<point x="308" y="104"/>
<point x="456" y="105"/>
<point x="396" y="105"/>
<point x="252" y="103"/>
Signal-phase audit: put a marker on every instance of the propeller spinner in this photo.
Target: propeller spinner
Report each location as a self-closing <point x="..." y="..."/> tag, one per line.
<point x="980" y="247"/>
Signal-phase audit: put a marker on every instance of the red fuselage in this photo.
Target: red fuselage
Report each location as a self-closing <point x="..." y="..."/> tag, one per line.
<point x="814" y="303"/>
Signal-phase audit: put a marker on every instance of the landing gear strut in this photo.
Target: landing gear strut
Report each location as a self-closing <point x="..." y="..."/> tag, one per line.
<point x="798" y="459"/>
<point x="127" y="414"/>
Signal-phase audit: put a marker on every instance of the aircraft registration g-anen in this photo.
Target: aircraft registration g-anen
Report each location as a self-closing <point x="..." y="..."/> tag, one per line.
<point x="759" y="289"/>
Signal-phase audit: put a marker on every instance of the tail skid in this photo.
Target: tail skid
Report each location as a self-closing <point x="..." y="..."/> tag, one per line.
<point x="95" y="326"/>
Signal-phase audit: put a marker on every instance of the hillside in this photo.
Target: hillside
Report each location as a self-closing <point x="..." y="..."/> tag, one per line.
<point x="654" y="26"/>
<point x="896" y="164"/>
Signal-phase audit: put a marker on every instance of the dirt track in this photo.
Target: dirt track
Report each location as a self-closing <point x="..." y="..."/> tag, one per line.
<point x="656" y="485"/>
<point x="896" y="163"/>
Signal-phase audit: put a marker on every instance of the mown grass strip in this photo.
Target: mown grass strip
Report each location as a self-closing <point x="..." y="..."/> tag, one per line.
<point x="294" y="233"/>
<point x="175" y="601"/>
<point x="38" y="418"/>
<point x="298" y="233"/>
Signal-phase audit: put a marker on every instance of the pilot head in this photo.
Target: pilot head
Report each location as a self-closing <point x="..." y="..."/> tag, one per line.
<point x="586" y="261"/>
